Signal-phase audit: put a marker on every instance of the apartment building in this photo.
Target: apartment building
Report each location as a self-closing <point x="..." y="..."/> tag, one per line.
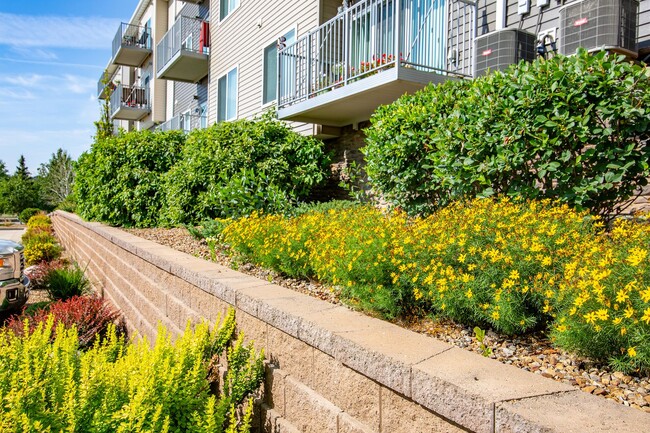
<point x="326" y="65"/>
<point x="157" y="74"/>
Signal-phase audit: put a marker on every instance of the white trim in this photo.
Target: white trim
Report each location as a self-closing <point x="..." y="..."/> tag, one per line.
<point x="295" y="35"/>
<point x="225" y="74"/>
<point x="501" y="14"/>
<point x="221" y="20"/>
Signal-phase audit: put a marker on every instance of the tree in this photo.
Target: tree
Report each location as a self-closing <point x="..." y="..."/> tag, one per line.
<point x="20" y="191"/>
<point x="4" y="174"/>
<point x="22" y="171"/>
<point x="56" y="177"/>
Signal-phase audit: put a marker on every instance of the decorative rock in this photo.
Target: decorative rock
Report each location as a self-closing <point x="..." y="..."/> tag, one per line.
<point x="589" y="389"/>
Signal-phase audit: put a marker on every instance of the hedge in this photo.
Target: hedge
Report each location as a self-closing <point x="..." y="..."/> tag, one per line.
<point x="569" y="128"/>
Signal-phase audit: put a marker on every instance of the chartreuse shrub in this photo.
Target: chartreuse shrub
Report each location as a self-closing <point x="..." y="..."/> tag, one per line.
<point x="39" y="241"/>
<point x="48" y="384"/>
<point x="119" y="180"/>
<point x="511" y="266"/>
<point x="233" y="168"/>
<point x="573" y="129"/>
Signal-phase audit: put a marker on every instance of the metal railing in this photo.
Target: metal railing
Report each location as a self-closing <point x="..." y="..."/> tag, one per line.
<point x="133" y="36"/>
<point x="184" y="35"/>
<point x="129" y="97"/>
<point x="184" y="122"/>
<point x="376" y="35"/>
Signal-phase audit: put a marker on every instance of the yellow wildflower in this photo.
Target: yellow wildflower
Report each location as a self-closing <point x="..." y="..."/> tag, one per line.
<point x="631" y="351"/>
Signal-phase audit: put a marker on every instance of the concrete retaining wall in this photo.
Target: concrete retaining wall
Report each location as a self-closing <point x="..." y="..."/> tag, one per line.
<point x="332" y="369"/>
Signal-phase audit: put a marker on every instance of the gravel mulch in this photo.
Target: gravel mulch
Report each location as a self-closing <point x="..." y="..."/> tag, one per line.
<point x="530" y="352"/>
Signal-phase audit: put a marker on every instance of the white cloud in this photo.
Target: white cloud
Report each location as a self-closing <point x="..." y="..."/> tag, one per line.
<point x="16" y="94"/>
<point x="56" y="31"/>
<point x="16" y="86"/>
<point x="34" y="53"/>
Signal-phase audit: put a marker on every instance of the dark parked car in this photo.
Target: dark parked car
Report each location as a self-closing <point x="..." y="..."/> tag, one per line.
<point x="14" y="285"/>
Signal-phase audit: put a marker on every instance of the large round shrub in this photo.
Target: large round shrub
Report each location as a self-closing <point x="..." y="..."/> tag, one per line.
<point x="233" y="168"/>
<point x="119" y="181"/>
<point x="572" y="128"/>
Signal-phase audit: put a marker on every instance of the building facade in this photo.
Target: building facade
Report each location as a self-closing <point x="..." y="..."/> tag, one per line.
<point x="325" y="66"/>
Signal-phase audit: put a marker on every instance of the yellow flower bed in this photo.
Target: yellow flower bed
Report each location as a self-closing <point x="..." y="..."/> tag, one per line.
<point x="514" y="267"/>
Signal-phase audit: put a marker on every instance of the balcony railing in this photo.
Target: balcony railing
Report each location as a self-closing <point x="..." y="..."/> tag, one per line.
<point x="104" y="86"/>
<point x="182" y="54"/>
<point x="130" y="102"/>
<point x="184" y="122"/>
<point x="131" y="45"/>
<point x="407" y="37"/>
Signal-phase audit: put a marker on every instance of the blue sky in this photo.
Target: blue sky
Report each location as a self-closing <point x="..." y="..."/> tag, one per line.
<point x="52" y="54"/>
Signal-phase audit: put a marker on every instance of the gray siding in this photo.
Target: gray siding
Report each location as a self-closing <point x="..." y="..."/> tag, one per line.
<point x="535" y="22"/>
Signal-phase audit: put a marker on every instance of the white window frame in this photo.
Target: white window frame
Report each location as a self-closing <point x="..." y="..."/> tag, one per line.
<point x="223" y="17"/>
<point x="234" y="117"/>
<point x="274" y="101"/>
<point x="186" y="120"/>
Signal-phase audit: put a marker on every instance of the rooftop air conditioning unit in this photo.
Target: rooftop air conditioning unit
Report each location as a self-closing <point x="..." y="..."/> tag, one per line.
<point x="497" y="50"/>
<point x="599" y="25"/>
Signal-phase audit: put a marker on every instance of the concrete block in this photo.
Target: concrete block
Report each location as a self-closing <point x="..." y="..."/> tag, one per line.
<point x="568" y="412"/>
<point x="308" y="411"/>
<point x="250" y="292"/>
<point x="464" y="386"/>
<point x="386" y="354"/>
<point x="350" y="391"/>
<point x="254" y="330"/>
<point x="274" y="389"/>
<point x="348" y="424"/>
<point x="401" y="415"/>
<point x="290" y="354"/>
<point x="207" y="305"/>
<point x="321" y="329"/>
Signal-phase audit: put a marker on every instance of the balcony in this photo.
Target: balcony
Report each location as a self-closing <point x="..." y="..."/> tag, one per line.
<point x="372" y="53"/>
<point x="130" y="102"/>
<point x="182" y="54"/>
<point x="184" y="122"/>
<point x="104" y="86"/>
<point x="131" y="45"/>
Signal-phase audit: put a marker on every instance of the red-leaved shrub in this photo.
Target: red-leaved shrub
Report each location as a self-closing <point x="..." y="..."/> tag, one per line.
<point x="37" y="274"/>
<point x="90" y="315"/>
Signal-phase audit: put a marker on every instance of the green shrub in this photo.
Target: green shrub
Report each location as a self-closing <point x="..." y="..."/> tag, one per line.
<point x="569" y="128"/>
<point x="114" y="387"/>
<point x="233" y="168"/>
<point x="323" y="207"/>
<point x="66" y="282"/>
<point x="119" y="181"/>
<point x="26" y="214"/>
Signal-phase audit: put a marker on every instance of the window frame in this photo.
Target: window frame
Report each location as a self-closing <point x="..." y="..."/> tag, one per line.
<point x="270" y="103"/>
<point x="223" y="17"/>
<point x="236" y="110"/>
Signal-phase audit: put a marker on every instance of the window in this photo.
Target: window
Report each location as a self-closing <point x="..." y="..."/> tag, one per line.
<point x="270" y="79"/>
<point x="185" y="121"/>
<point x="226" y="7"/>
<point x="203" y="115"/>
<point x="227" y="96"/>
